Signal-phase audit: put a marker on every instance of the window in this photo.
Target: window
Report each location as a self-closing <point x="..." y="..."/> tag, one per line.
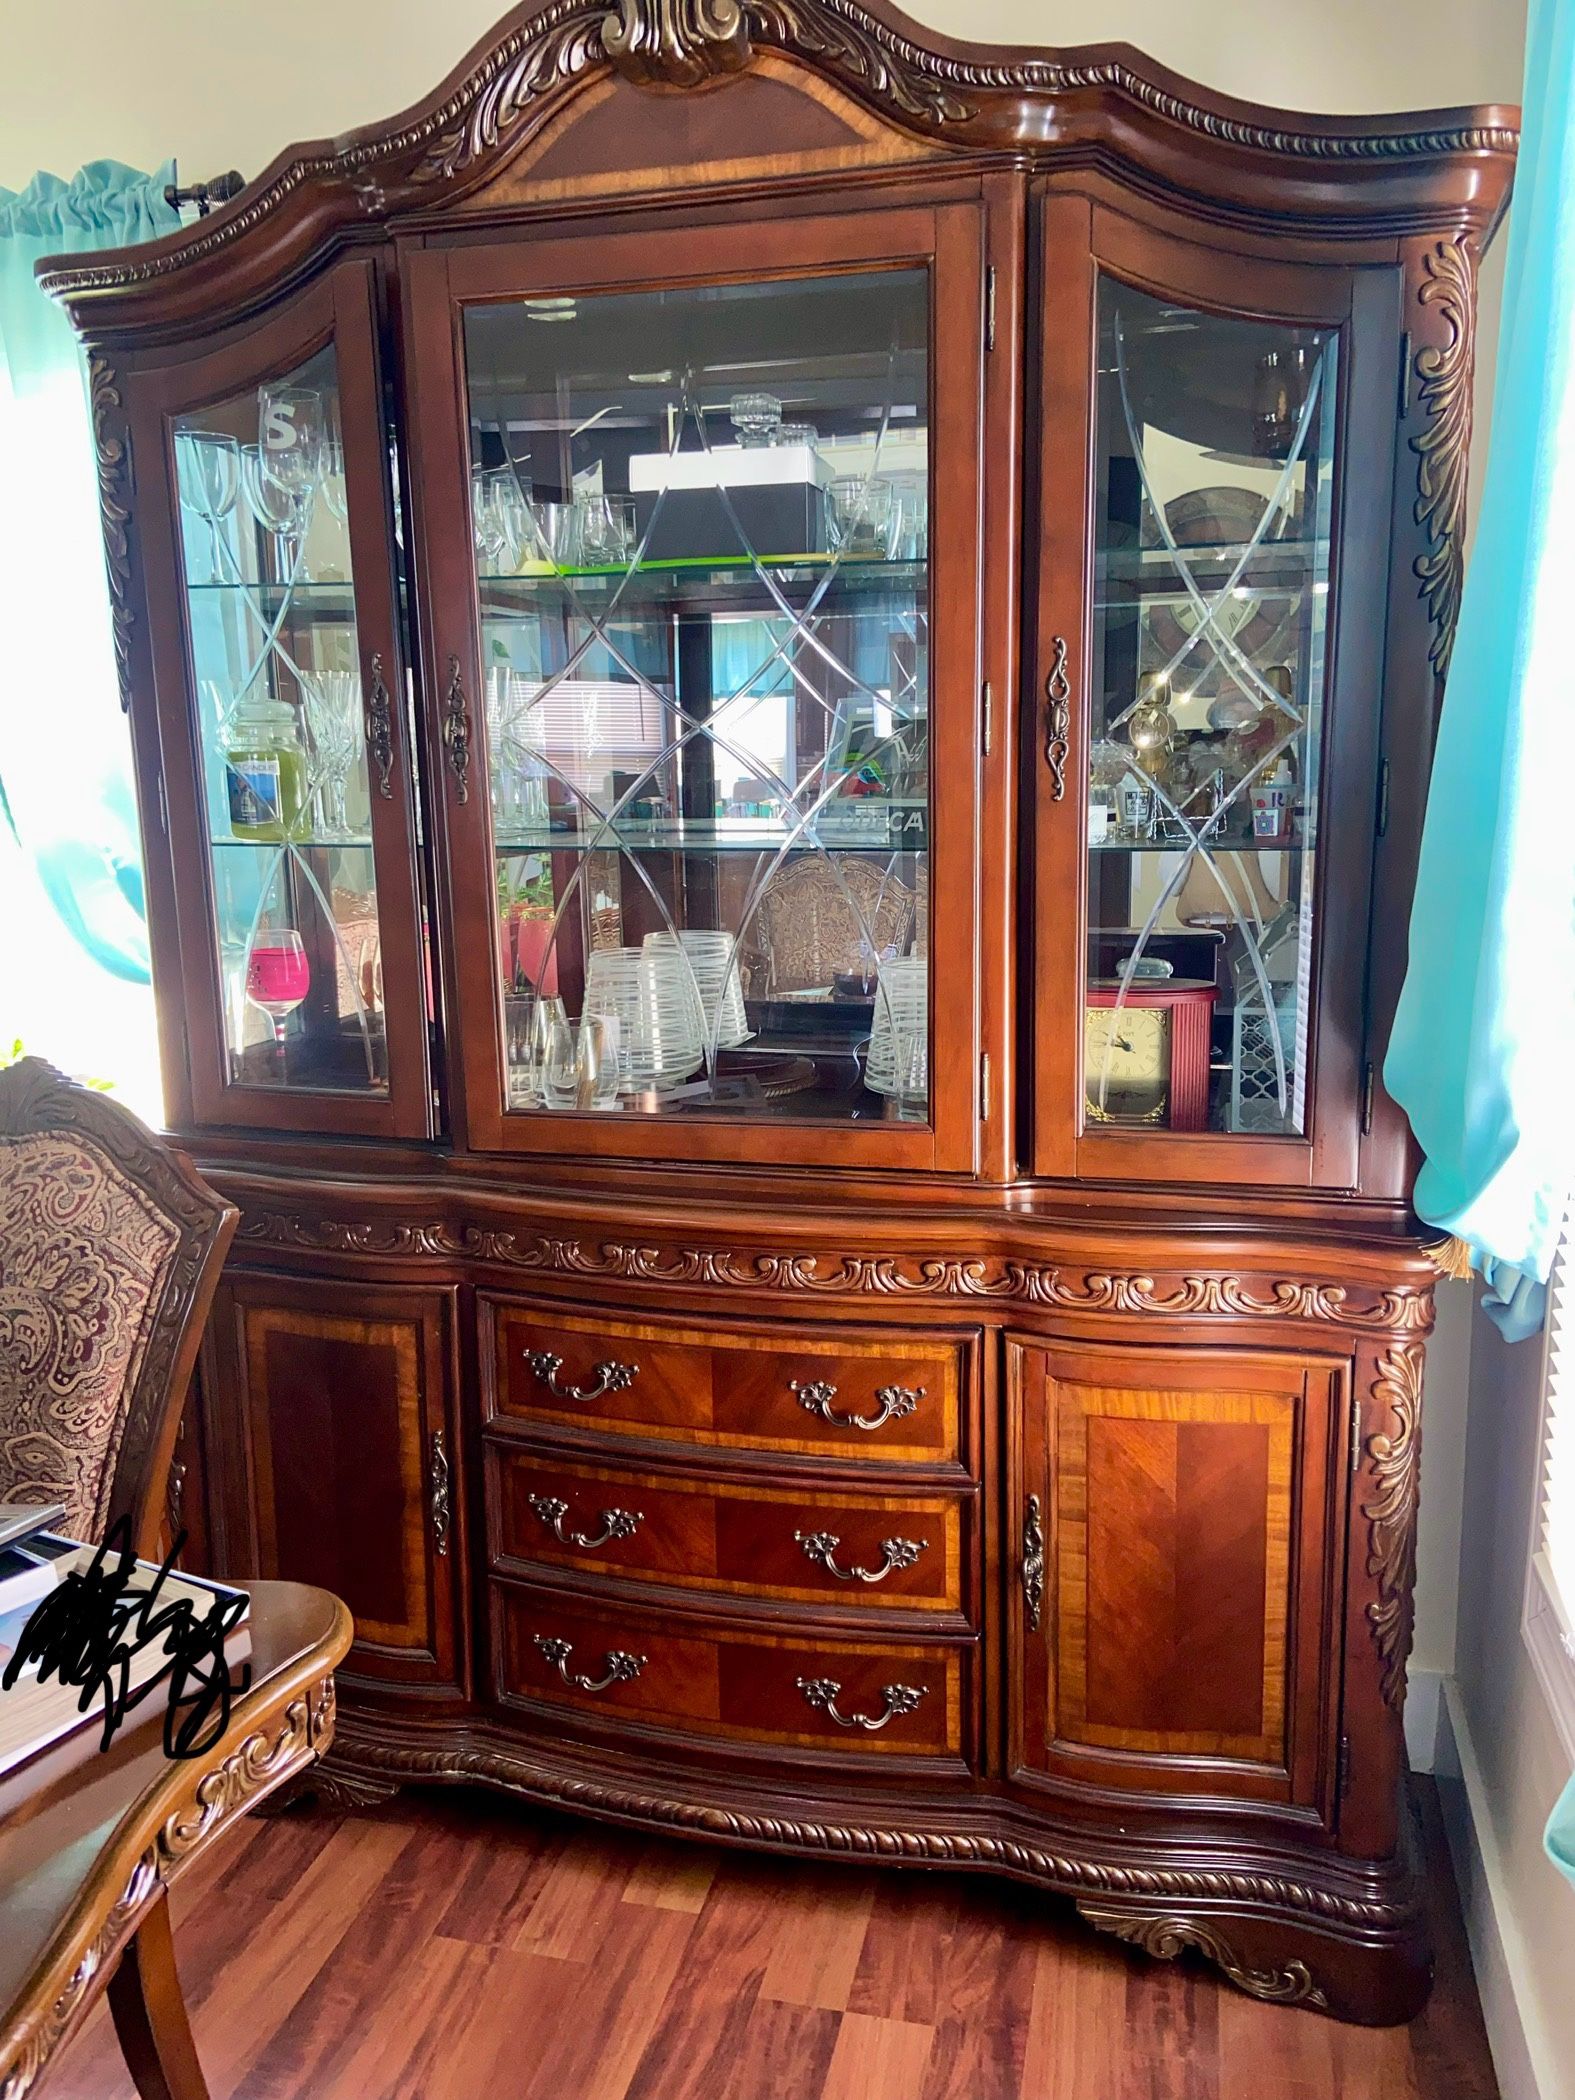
<point x="1550" y="1585"/>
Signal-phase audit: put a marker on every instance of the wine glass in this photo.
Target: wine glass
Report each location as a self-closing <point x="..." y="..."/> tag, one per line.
<point x="208" y="467"/>
<point x="293" y="439"/>
<point x="271" y="506"/>
<point x="277" y="977"/>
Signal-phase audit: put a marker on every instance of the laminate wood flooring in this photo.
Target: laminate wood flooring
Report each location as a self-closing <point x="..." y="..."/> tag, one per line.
<point x="453" y="1946"/>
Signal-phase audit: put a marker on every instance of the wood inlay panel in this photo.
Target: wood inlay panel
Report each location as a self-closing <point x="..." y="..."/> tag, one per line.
<point x="731" y="1537"/>
<point x="1172" y="1564"/>
<point x="730" y="1389"/>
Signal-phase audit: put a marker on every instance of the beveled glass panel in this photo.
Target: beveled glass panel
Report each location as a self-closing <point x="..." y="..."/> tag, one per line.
<point x="271" y="619"/>
<point x="1214" y="478"/>
<point x="701" y="537"/>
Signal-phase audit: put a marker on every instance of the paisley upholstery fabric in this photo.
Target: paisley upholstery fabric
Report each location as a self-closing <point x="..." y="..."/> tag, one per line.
<point x="83" y="1261"/>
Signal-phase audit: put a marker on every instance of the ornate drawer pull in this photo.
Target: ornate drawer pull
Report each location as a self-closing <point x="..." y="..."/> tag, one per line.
<point x="1033" y="1568"/>
<point x="380" y="729"/>
<point x="822" y="1545"/>
<point x="894" y="1400"/>
<point x="616" y="1523"/>
<point x="437" y="1494"/>
<point x="1058" y="718"/>
<point x="608" y="1377"/>
<point x="622" y="1667"/>
<point x="456" y="729"/>
<point x="821" y="1692"/>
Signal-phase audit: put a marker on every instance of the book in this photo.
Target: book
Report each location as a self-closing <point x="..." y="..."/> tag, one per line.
<point x="19" y="1520"/>
<point x="47" y="1726"/>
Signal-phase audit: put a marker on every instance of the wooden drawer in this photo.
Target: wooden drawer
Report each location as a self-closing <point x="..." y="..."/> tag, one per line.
<point x="887" y="1399"/>
<point x="683" y="1674"/>
<point x="822" y="1545"/>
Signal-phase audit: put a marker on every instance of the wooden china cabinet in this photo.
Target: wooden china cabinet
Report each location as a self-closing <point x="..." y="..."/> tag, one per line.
<point x="782" y="674"/>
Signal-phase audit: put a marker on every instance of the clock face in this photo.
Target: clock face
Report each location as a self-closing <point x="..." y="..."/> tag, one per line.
<point x="1126" y="1063"/>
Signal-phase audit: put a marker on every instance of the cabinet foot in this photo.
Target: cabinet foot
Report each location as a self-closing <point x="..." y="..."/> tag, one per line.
<point x="333" y="1789"/>
<point x="1281" y="1963"/>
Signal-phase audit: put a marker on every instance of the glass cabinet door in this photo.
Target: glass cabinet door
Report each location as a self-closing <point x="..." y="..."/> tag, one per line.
<point x="699" y="518"/>
<point x="1205" y="779"/>
<point x="294" y="696"/>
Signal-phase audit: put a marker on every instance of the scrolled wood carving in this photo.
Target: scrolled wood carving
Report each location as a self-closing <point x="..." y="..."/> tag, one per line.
<point x="1391" y="1514"/>
<point x="1442" y="449"/>
<point x="112" y="453"/>
<point x="1166" y="1935"/>
<point x="22" y="2063"/>
<point x="677" y="42"/>
<point x="1405" y="1310"/>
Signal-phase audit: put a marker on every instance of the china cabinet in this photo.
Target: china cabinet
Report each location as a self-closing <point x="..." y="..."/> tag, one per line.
<point x="782" y="673"/>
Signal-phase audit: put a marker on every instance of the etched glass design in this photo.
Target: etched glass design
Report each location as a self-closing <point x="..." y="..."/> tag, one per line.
<point x="700" y="522"/>
<point x="270" y="608"/>
<point x="1214" y="473"/>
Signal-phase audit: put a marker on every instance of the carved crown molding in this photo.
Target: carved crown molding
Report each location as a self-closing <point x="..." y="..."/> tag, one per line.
<point x="1166" y="1935"/>
<point x="1391" y="1515"/>
<point x="112" y="452"/>
<point x="363" y="1757"/>
<point x="1443" y="374"/>
<point x="957" y="1276"/>
<point x="947" y="94"/>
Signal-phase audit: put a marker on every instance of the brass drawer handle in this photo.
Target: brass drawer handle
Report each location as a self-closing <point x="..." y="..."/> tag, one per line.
<point x="893" y="1400"/>
<point x="622" y="1667"/>
<point x="437" y="1494"/>
<point x="609" y="1377"/>
<point x="1033" y="1568"/>
<point x="1058" y="718"/>
<point x="821" y="1692"/>
<point x="616" y="1523"/>
<point x="821" y="1546"/>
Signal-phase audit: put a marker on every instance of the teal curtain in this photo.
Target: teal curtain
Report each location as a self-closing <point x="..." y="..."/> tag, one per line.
<point x="65" y="772"/>
<point x="1561" y="1833"/>
<point x="1484" y="1040"/>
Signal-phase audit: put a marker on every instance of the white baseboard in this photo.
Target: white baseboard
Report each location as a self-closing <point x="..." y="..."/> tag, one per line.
<point x="1523" y="2056"/>
<point x="1424" y="1698"/>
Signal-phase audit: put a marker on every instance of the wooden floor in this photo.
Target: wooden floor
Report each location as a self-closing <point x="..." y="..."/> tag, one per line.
<point x="451" y="1946"/>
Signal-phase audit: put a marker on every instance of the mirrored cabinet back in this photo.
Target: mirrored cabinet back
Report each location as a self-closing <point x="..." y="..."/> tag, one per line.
<point x="782" y="674"/>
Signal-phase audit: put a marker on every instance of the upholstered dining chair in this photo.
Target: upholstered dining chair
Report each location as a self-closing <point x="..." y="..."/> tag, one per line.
<point x="110" y="1249"/>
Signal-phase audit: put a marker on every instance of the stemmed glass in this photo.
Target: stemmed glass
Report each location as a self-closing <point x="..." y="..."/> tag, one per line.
<point x="293" y="440"/>
<point x="209" y="472"/>
<point x="333" y="713"/>
<point x="272" y="507"/>
<point x="278" y="977"/>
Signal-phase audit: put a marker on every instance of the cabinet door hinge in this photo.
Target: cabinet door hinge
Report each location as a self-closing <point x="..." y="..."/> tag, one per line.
<point x="1356" y="1438"/>
<point x="984" y="1086"/>
<point x="1403" y="389"/>
<point x="164" y="808"/>
<point x="1383" y="798"/>
<point x="986" y="703"/>
<point x="989" y="307"/>
<point x="1342" y="1776"/>
<point x="1367" y="1098"/>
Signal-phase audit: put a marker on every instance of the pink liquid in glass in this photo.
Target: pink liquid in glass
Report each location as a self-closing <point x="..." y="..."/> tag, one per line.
<point x="277" y="977"/>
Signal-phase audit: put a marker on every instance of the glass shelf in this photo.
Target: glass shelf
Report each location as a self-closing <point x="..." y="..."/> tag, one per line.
<point x="301" y="845"/>
<point x="1217" y="848"/>
<point x="906" y="830"/>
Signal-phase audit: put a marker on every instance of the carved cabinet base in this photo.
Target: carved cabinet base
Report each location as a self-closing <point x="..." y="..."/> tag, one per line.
<point x="1095" y="1576"/>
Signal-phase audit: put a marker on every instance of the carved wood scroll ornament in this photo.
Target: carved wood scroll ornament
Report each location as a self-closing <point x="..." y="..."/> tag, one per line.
<point x="1442" y="449"/>
<point x="1391" y="1514"/>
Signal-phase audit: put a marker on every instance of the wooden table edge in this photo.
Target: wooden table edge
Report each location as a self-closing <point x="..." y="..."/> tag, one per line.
<point x="275" y="1731"/>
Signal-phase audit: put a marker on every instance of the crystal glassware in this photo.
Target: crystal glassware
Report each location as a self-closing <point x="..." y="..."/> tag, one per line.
<point x="862" y="516"/>
<point x="606" y="529"/>
<point x="795" y="434"/>
<point x="560" y="1076"/>
<point x="292" y="424"/>
<point x="208" y="467"/>
<point x="273" y="508"/>
<point x="332" y="701"/>
<point x="756" y="418"/>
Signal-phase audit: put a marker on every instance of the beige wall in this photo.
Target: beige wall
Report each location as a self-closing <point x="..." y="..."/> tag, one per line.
<point x="223" y="86"/>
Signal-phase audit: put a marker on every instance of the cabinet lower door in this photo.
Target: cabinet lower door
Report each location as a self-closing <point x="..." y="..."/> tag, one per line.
<point x="341" y="1396"/>
<point x="1176" y="1535"/>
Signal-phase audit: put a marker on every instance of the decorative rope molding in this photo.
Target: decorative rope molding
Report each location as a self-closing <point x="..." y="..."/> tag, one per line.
<point x="1442" y="450"/>
<point x="1165" y="1936"/>
<point x="856" y="1275"/>
<point x="112" y="449"/>
<point x="1391" y="1515"/>
<point x="366" y="1760"/>
<point x="690" y="41"/>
